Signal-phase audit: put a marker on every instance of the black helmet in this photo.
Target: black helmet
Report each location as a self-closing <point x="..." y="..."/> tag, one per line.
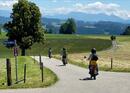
<point x="93" y="50"/>
<point x="64" y="49"/>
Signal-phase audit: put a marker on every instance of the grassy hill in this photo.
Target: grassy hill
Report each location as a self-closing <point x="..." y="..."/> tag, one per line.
<point x="79" y="46"/>
<point x="73" y="44"/>
<point x="120" y="55"/>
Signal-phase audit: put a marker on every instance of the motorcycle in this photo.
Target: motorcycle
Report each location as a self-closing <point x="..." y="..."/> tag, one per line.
<point x="93" y="71"/>
<point x="64" y="60"/>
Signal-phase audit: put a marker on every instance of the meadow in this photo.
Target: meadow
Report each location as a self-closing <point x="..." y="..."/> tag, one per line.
<point x="120" y="55"/>
<point x="73" y="44"/>
<point x="79" y="46"/>
<point x="33" y="70"/>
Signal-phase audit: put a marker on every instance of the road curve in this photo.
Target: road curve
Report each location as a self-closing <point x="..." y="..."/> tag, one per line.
<point x="69" y="80"/>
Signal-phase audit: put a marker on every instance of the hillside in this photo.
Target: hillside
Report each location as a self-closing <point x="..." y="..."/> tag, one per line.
<point x="100" y="27"/>
<point x="120" y="55"/>
<point x="73" y="43"/>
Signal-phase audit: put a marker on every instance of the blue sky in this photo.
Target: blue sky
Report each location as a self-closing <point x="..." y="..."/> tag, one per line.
<point x="120" y="8"/>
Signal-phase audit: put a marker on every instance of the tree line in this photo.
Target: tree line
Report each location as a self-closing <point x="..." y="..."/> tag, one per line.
<point x="127" y="31"/>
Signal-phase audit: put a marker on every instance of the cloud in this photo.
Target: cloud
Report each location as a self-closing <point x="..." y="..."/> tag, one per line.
<point x="7" y="4"/>
<point x="98" y="7"/>
<point x="92" y="8"/>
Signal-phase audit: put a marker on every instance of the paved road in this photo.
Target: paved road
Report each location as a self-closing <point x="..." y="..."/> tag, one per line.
<point x="107" y="82"/>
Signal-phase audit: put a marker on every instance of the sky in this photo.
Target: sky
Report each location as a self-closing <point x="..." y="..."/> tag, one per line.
<point x="120" y="8"/>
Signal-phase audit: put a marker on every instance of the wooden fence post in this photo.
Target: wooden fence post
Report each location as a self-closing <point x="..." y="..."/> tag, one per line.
<point x="24" y="73"/>
<point x="40" y="59"/>
<point x="9" y="79"/>
<point x="111" y="63"/>
<point x="42" y="72"/>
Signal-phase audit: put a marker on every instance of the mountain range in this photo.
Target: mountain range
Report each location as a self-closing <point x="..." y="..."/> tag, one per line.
<point x="93" y="26"/>
<point x="79" y="16"/>
<point x="89" y="17"/>
<point x="100" y="27"/>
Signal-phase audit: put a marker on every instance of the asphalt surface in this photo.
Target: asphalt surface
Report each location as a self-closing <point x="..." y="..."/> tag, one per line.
<point x="71" y="80"/>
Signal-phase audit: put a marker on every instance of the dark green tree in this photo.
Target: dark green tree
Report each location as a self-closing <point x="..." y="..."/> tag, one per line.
<point x="127" y="31"/>
<point x="63" y="28"/>
<point x="25" y="26"/>
<point x="69" y="27"/>
<point x="48" y="31"/>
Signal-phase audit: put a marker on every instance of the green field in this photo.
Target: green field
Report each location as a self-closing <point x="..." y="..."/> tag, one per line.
<point x="79" y="46"/>
<point x="73" y="44"/>
<point x="120" y="55"/>
<point x="33" y="79"/>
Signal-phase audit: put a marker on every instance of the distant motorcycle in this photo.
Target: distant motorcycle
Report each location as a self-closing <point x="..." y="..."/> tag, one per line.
<point x="64" y="56"/>
<point x="64" y="60"/>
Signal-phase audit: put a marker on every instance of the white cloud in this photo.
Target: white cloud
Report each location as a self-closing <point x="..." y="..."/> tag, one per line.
<point x="7" y="4"/>
<point x="62" y="10"/>
<point x="93" y="8"/>
<point x="98" y="7"/>
<point x="55" y="11"/>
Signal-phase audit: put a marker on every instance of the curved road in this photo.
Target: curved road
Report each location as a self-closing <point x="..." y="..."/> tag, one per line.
<point x="107" y="82"/>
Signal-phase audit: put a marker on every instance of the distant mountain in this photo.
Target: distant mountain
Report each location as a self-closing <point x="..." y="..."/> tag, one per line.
<point x="102" y="27"/>
<point x="90" y="17"/>
<point x="51" y="20"/>
<point x="99" y="27"/>
<point x="78" y="16"/>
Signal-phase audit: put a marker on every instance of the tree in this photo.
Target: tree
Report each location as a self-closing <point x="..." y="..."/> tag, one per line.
<point x="127" y="31"/>
<point x="69" y="27"/>
<point x="63" y="28"/>
<point x="25" y="26"/>
<point x="48" y="31"/>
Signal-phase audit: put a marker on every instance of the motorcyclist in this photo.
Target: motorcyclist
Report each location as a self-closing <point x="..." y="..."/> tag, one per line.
<point x="93" y="67"/>
<point x="50" y="53"/>
<point x="64" y="56"/>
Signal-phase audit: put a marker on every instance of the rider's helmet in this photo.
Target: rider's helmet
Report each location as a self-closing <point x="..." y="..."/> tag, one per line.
<point x="93" y="50"/>
<point x="64" y="49"/>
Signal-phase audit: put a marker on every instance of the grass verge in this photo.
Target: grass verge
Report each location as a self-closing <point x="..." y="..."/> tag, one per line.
<point x="33" y="79"/>
<point x="84" y="64"/>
